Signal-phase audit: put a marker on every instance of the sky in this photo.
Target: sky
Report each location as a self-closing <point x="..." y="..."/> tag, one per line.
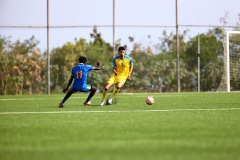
<point x="82" y="15"/>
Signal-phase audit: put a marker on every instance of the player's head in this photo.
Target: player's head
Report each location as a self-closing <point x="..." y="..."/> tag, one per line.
<point x="82" y="59"/>
<point x="121" y="51"/>
<point x="121" y="48"/>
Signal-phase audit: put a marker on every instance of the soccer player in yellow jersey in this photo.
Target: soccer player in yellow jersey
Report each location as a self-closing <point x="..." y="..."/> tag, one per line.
<point x="122" y="70"/>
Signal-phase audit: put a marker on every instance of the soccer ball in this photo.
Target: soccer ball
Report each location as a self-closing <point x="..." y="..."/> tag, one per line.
<point x="149" y="100"/>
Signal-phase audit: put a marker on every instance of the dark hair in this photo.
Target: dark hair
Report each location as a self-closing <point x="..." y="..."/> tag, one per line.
<point x="82" y="59"/>
<point x="121" y="48"/>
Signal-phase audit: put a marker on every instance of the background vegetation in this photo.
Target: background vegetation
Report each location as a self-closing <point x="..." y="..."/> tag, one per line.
<point x="24" y="71"/>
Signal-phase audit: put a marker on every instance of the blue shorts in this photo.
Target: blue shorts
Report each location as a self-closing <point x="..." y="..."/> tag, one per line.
<point x="87" y="88"/>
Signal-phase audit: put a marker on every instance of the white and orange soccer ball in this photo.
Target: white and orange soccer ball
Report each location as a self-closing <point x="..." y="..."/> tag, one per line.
<point x="149" y="100"/>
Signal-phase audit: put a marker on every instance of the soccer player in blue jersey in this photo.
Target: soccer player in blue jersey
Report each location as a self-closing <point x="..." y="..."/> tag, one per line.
<point x="122" y="70"/>
<point x="79" y="75"/>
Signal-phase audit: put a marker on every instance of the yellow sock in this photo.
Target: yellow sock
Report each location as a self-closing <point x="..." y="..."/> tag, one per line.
<point x="115" y="92"/>
<point x="104" y="94"/>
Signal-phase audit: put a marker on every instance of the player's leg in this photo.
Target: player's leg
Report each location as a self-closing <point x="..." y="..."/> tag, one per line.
<point x="91" y="94"/>
<point x="104" y="94"/>
<point x="69" y="93"/>
<point x="110" y="82"/>
<point x="105" y="90"/>
<point x="117" y="89"/>
<point x="118" y="86"/>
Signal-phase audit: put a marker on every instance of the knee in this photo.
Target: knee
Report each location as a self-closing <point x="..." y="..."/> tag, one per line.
<point x="118" y="87"/>
<point x="106" y="88"/>
<point x="94" y="88"/>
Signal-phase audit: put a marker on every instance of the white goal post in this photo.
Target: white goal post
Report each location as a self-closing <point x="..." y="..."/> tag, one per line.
<point x="233" y="60"/>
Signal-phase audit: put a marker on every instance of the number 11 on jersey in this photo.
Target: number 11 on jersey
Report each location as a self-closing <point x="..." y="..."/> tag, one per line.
<point x="79" y="74"/>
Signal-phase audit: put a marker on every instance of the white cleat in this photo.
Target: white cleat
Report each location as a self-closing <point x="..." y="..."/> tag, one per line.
<point x="109" y="101"/>
<point x="102" y="103"/>
<point x="87" y="103"/>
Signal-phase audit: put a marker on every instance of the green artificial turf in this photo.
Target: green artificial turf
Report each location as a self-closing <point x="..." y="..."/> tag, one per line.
<point x="185" y="126"/>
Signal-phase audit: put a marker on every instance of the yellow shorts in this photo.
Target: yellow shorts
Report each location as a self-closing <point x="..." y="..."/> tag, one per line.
<point x="116" y="79"/>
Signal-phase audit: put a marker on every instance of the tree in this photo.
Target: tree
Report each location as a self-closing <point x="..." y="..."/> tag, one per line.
<point x="20" y="63"/>
<point x="211" y="53"/>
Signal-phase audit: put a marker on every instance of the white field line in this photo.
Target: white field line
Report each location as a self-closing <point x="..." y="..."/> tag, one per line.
<point x="33" y="99"/>
<point x="166" y="110"/>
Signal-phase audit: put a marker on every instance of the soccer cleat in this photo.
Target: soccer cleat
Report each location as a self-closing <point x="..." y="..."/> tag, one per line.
<point x="86" y="103"/>
<point x="102" y="103"/>
<point x="60" y="105"/>
<point x="109" y="102"/>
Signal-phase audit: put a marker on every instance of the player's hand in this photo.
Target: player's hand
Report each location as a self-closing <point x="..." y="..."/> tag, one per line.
<point x="129" y="76"/>
<point x="64" y="90"/>
<point x="98" y="65"/>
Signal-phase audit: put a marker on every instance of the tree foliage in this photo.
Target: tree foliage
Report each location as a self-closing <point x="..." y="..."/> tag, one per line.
<point x="23" y="67"/>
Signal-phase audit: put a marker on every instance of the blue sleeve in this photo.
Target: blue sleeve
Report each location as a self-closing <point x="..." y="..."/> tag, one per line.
<point x="90" y="67"/>
<point x="131" y="62"/>
<point x="114" y="63"/>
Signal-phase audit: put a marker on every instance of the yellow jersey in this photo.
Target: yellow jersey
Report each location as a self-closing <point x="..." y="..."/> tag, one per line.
<point x="122" y="66"/>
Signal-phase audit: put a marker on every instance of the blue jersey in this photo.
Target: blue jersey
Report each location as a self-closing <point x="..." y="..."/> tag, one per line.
<point x="80" y="75"/>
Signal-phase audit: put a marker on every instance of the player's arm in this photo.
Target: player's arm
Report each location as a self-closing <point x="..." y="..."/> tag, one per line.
<point x="98" y="66"/>
<point x="115" y="71"/>
<point x="130" y="68"/>
<point x="130" y="71"/>
<point x="69" y="83"/>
